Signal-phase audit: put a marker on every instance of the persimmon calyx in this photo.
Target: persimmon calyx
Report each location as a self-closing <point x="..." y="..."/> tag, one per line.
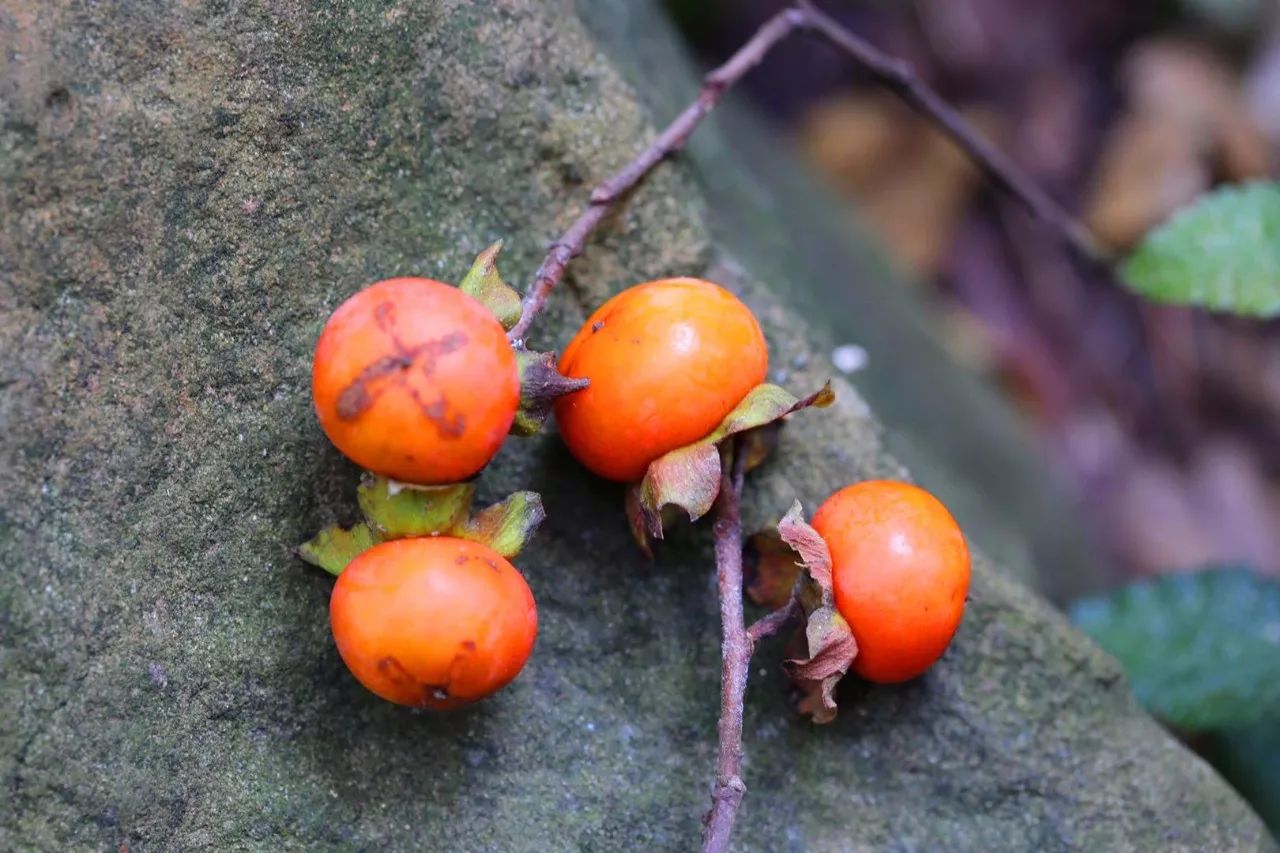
<point x="507" y="526"/>
<point x="831" y="647"/>
<point x="689" y="477"/>
<point x="541" y="384"/>
<point x="335" y="546"/>
<point x="794" y="559"/>
<point x="483" y="284"/>
<point x="396" y="511"/>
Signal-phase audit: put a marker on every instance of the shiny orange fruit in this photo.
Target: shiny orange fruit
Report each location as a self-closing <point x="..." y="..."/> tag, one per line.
<point x="667" y="361"/>
<point x="900" y="569"/>
<point x="433" y="622"/>
<point x="415" y="380"/>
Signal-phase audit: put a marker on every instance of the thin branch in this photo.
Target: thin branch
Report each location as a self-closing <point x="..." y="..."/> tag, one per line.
<point x="897" y="76"/>
<point x="767" y="626"/>
<point x="891" y="72"/>
<point x="668" y="142"/>
<point x="736" y="649"/>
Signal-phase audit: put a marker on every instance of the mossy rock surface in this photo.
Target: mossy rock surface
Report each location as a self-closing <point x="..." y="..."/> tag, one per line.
<point x="186" y="191"/>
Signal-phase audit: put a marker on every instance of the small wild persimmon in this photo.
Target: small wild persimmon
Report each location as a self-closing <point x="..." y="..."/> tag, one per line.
<point x="900" y="575"/>
<point x="434" y="622"/>
<point x="415" y="380"/>
<point x="667" y="361"/>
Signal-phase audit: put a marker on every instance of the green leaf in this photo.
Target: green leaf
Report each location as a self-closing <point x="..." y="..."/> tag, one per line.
<point x="1202" y="649"/>
<point x="483" y="284"/>
<point x="507" y="526"/>
<point x="396" y="510"/>
<point x="334" y="547"/>
<point x="1221" y="253"/>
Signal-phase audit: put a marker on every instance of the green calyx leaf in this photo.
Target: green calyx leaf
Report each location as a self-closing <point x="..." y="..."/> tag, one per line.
<point x="334" y="547"/>
<point x="507" y="526"/>
<point x="541" y="384"/>
<point x="483" y="283"/>
<point x="1201" y="649"/>
<point x="395" y="510"/>
<point x="1221" y="253"/>
<point x="689" y="477"/>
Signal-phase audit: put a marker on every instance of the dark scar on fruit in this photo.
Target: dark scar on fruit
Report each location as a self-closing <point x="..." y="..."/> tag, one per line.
<point x="440" y="692"/>
<point x="362" y="391"/>
<point x="393" y="669"/>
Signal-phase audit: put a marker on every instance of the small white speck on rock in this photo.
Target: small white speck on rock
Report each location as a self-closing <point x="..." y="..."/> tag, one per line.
<point x="849" y="358"/>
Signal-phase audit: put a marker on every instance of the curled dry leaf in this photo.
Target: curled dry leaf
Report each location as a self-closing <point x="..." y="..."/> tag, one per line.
<point x="483" y="284"/>
<point x="772" y="569"/>
<point x="540" y="385"/>
<point x="831" y="653"/>
<point x="815" y="556"/>
<point x="689" y="477"/>
<point x="830" y="644"/>
<point x="395" y="511"/>
<point x="507" y="526"/>
<point x="636" y="521"/>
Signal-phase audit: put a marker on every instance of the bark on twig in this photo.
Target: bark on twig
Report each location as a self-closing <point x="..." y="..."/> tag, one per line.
<point x="667" y="142"/>
<point x="736" y="649"/>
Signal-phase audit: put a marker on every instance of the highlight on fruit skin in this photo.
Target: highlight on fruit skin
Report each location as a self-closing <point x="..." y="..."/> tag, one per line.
<point x="433" y="622"/>
<point x="900" y="572"/>
<point x="667" y="361"/>
<point x="415" y="380"/>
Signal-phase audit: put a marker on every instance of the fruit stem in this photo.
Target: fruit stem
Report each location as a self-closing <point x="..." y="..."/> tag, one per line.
<point x="767" y="626"/>
<point x="736" y="647"/>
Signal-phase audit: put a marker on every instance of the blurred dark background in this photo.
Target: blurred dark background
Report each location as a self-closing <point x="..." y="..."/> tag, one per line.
<point x="1166" y="421"/>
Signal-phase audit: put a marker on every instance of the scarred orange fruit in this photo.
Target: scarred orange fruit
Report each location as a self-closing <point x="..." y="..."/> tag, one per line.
<point x="415" y="380"/>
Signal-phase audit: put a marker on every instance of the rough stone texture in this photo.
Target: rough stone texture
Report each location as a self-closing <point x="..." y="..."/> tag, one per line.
<point x="187" y="190"/>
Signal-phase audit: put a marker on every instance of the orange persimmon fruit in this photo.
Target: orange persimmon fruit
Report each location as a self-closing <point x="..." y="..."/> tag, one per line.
<point x="415" y="380"/>
<point x="900" y="572"/>
<point x="667" y="360"/>
<point x="433" y="622"/>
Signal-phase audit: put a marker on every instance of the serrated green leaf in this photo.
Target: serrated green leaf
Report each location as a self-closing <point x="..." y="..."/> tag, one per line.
<point x="1221" y="253"/>
<point x="507" y="526"/>
<point x="1202" y="649"/>
<point x="334" y="547"/>
<point x="395" y="510"/>
<point x="483" y="283"/>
